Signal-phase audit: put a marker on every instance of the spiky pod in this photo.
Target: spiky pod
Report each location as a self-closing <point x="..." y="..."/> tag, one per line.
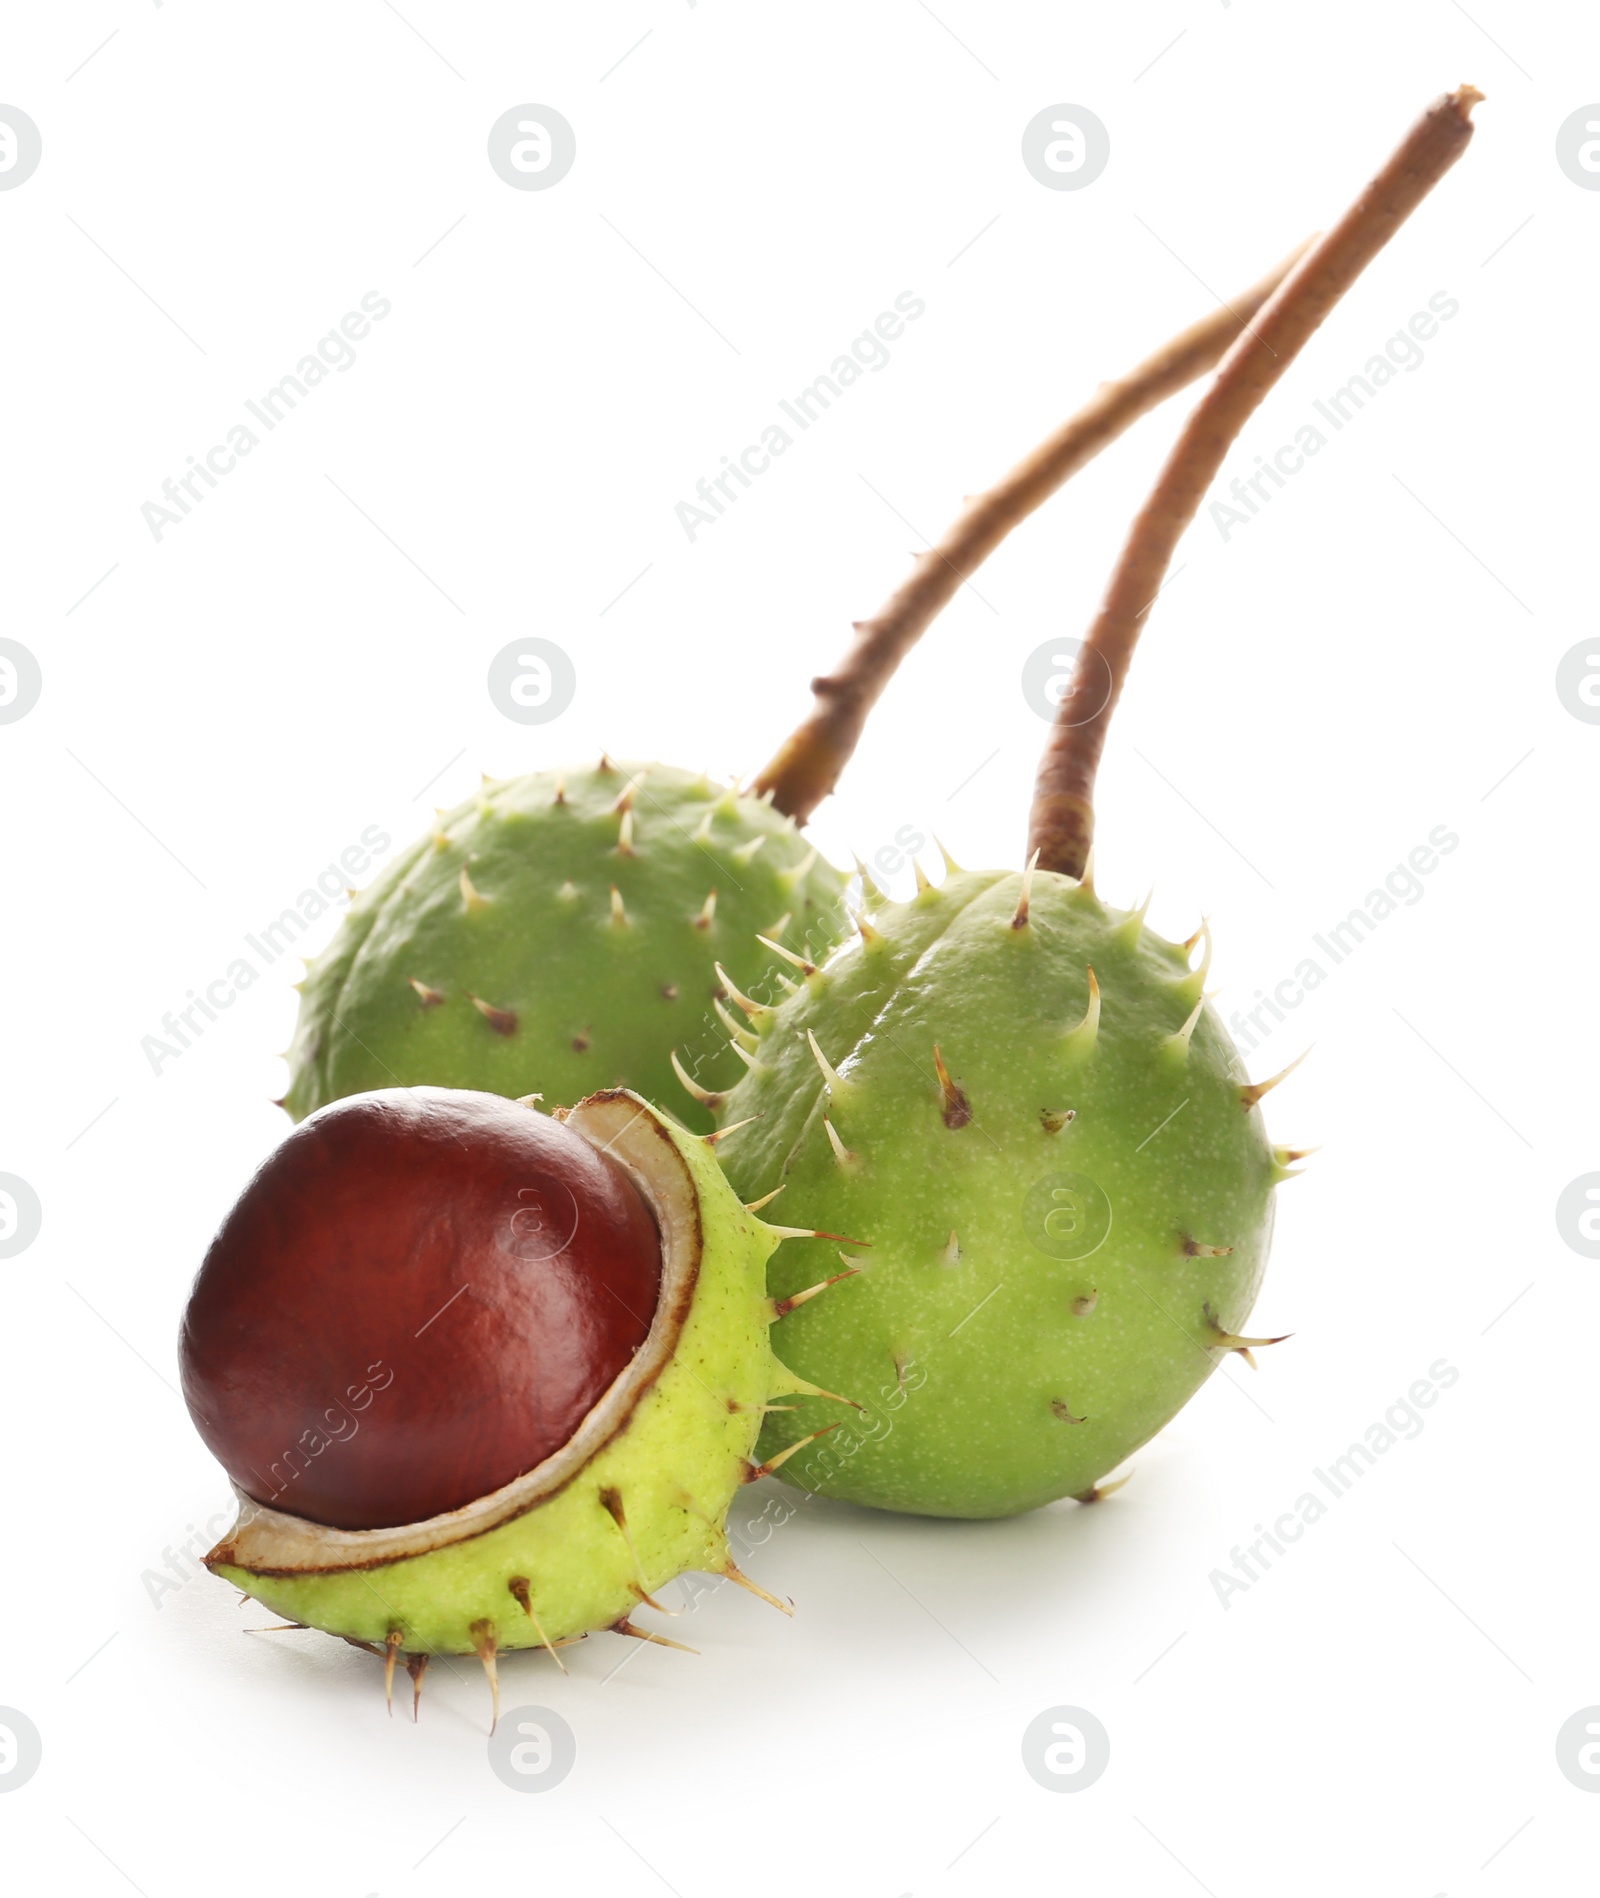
<point x="556" y="934"/>
<point x="638" y="1495"/>
<point x="1065" y="1180"/>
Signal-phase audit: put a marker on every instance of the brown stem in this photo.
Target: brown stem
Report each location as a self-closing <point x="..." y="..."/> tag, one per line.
<point x="808" y="764"/>
<point x="1061" y="827"/>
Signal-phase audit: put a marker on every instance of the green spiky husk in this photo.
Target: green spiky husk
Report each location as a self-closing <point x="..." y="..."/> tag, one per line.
<point x="675" y="1465"/>
<point x="580" y="999"/>
<point x="986" y="1392"/>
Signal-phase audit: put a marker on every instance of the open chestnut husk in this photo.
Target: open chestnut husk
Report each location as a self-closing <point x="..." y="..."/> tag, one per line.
<point x="483" y="1377"/>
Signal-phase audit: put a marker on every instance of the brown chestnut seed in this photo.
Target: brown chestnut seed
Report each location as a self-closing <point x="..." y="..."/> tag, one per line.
<point x="417" y="1299"/>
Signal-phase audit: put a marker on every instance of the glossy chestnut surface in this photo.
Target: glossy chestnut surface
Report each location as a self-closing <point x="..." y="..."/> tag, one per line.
<point x="418" y="1298"/>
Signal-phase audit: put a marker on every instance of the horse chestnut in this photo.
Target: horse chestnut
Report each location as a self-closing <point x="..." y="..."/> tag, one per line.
<point x="418" y="1298"/>
<point x="484" y="1378"/>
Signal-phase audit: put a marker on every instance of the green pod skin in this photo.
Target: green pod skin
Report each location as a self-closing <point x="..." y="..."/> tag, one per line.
<point x="1068" y="1222"/>
<point x="552" y="937"/>
<point x="639" y="1494"/>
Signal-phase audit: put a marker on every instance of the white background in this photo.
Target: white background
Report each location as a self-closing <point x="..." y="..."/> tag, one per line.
<point x="229" y="707"/>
